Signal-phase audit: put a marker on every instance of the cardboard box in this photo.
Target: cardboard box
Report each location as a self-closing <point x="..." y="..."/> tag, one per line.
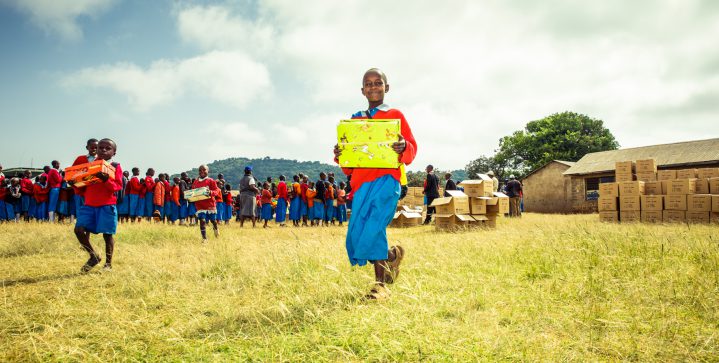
<point x="630" y="216"/>
<point x="458" y="203"/>
<point x="715" y="203"/>
<point x="686" y="174"/>
<point x="706" y="173"/>
<point x="698" y="217"/>
<point x="608" y="190"/>
<point x="367" y="143"/>
<point x="699" y="203"/>
<point x="674" y="216"/>
<point x="666" y="174"/>
<point x="675" y="202"/>
<point x="714" y="217"/>
<point x="479" y="221"/>
<point x="652" y="202"/>
<point x="702" y="186"/>
<point x="609" y="216"/>
<point x="646" y="166"/>
<point x="481" y="187"/>
<point x="653" y="188"/>
<point x="652" y="216"/>
<point x="665" y="186"/>
<point x="633" y="188"/>
<point x="478" y="205"/>
<point x="681" y="186"/>
<point x="629" y="203"/>
<point x="714" y="185"/>
<point x="621" y="177"/>
<point x="84" y="174"/>
<point x="451" y="221"/>
<point x="647" y="176"/>
<point x="498" y="204"/>
<point x="407" y="218"/>
<point x="193" y="195"/>
<point x="605" y="204"/>
<point x="491" y="221"/>
<point x="624" y="167"/>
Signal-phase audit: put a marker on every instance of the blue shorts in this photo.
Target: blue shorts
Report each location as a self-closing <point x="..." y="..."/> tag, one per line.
<point x="184" y="208"/>
<point x="41" y="211"/>
<point x="204" y="216"/>
<point x="228" y="212"/>
<point x="220" y="211"/>
<point x="266" y="211"/>
<point x="97" y="219"/>
<point x="123" y="208"/>
<point x="149" y="207"/>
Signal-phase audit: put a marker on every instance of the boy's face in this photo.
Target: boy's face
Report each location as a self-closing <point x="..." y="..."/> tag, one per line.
<point x="373" y="87"/>
<point x="92" y="148"/>
<point x="202" y="172"/>
<point x="105" y="150"/>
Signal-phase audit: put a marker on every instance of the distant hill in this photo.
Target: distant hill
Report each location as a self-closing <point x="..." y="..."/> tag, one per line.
<point x="233" y="169"/>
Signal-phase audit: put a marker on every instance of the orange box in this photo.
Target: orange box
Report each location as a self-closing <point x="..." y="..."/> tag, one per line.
<point x="84" y="174"/>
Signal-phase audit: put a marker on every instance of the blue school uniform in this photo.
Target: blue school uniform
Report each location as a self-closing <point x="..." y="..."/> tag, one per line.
<point x="168" y="210"/>
<point x="191" y="209"/>
<point x="281" y="211"/>
<point x="304" y="211"/>
<point x="98" y="219"/>
<point x="123" y="208"/>
<point x="342" y="213"/>
<point x="3" y="210"/>
<point x="372" y="211"/>
<point x="228" y="212"/>
<point x="149" y="206"/>
<point x="53" y="197"/>
<point x="25" y="203"/>
<point x="330" y="210"/>
<point x="32" y="208"/>
<point x="221" y="211"/>
<point x="184" y="209"/>
<point x="204" y="216"/>
<point x="41" y="210"/>
<point x="318" y="210"/>
<point x="266" y="211"/>
<point x="295" y="209"/>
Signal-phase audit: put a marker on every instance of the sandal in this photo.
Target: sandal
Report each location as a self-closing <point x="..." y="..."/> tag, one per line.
<point x="391" y="276"/>
<point x="92" y="262"/>
<point x="378" y="292"/>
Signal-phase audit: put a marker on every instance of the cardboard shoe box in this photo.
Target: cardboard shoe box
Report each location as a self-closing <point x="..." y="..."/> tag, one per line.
<point x="197" y="194"/>
<point x="674" y="216"/>
<point x="652" y="202"/>
<point x="606" y="204"/>
<point x="84" y="174"/>
<point x="681" y="186"/>
<point x="609" y="216"/>
<point x="478" y="205"/>
<point x="630" y="216"/>
<point x="629" y="203"/>
<point x="451" y="205"/>
<point x="653" y="188"/>
<point x="646" y="166"/>
<point x="609" y="190"/>
<point x="481" y="187"/>
<point x="666" y="174"/>
<point x="498" y="204"/>
<point x="698" y="217"/>
<point x="631" y="188"/>
<point x="652" y="216"/>
<point x="675" y="202"/>
<point x="451" y="221"/>
<point x="368" y="143"/>
<point x="699" y="203"/>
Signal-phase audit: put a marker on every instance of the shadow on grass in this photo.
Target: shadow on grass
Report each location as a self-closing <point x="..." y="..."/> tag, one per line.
<point x="33" y="280"/>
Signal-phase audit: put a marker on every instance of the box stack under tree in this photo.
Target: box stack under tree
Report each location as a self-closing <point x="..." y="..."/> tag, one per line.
<point x="643" y="193"/>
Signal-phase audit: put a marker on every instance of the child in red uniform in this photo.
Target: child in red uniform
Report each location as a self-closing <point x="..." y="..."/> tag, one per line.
<point x="149" y="192"/>
<point x="40" y="193"/>
<point x="375" y="193"/>
<point x="158" y="201"/>
<point x="91" y="147"/>
<point x="266" y="200"/>
<point x="207" y="208"/>
<point x="341" y="203"/>
<point x="282" y="198"/>
<point x="99" y="213"/>
<point x="26" y="188"/>
<point x="228" y="203"/>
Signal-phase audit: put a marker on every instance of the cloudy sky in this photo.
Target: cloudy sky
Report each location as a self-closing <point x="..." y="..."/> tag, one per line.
<point x="178" y="83"/>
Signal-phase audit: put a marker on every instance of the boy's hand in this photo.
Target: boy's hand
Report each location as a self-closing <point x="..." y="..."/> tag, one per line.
<point x="337" y="151"/>
<point x="102" y="176"/>
<point x="400" y="145"/>
<point x="70" y="182"/>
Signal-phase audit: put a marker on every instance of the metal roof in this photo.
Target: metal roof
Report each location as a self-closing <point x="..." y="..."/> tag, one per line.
<point x="667" y="155"/>
<point x="566" y="163"/>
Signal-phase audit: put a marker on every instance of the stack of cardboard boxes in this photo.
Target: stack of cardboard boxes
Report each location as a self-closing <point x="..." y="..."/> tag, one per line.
<point x="415" y="197"/>
<point x="406" y="216"/>
<point x="643" y="193"/>
<point x="477" y="206"/>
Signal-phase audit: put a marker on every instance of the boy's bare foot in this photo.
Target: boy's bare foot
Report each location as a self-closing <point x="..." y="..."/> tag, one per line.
<point x="92" y="262"/>
<point x="391" y="276"/>
<point x="378" y="292"/>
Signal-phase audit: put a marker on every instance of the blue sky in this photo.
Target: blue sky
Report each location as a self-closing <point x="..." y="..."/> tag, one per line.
<point x="179" y="83"/>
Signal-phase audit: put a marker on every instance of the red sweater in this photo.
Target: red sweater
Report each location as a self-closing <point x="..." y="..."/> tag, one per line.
<point x="362" y="175"/>
<point x="26" y="186"/>
<point x="282" y="190"/>
<point x="303" y="191"/>
<point x="228" y="198"/>
<point x="149" y="184"/>
<point x="134" y="186"/>
<point x="102" y="194"/>
<point x="266" y="197"/>
<point x="209" y="203"/>
<point x="82" y="159"/>
<point x="41" y="193"/>
<point x="54" y="180"/>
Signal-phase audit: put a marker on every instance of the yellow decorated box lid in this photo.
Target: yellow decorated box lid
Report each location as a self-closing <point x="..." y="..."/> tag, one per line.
<point x="367" y="143"/>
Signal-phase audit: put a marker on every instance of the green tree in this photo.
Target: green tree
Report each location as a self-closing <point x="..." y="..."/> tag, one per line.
<point x="562" y="136"/>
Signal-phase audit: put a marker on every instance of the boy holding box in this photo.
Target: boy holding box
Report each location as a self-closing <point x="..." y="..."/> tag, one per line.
<point x="99" y="213"/>
<point x="376" y="192"/>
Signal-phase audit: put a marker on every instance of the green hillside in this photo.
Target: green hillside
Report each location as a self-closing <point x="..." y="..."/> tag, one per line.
<point x="233" y="168"/>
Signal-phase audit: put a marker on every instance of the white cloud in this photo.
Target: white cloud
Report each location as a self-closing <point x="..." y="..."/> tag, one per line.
<point x="59" y="17"/>
<point x="226" y="76"/>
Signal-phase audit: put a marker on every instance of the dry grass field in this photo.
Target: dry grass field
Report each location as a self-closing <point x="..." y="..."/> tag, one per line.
<point x="543" y="288"/>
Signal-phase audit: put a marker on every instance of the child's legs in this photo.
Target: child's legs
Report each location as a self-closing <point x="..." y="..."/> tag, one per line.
<point x="109" y="247"/>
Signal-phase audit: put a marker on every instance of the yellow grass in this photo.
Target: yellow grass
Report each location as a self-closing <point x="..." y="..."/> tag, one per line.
<point x="543" y="288"/>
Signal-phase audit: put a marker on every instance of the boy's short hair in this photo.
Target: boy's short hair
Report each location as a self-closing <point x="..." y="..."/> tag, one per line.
<point x="378" y="71"/>
<point x="91" y="141"/>
<point x="111" y="141"/>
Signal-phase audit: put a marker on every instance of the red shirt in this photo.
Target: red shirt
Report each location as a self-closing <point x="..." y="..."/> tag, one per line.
<point x="266" y="197"/>
<point x="26" y="186"/>
<point x="134" y="186"/>
<point x="102" y="194"/>
<point x="54" y="180"/>
<point x="228" y="198"/>
<point x="3" y="193"/>
<point x="149" y="184"/>
<point x="210" y="203"/>
<point x="341" y="197"/>
<point x="303" y="191"/>
<point x="41" y="193"/>
<point x="168" y="197"/>
<point x="282" y="190"/>
<point x="362" y="175"/>
<point x="82" y="159"/>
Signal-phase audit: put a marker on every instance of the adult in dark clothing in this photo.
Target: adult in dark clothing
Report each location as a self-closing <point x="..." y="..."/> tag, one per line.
<point x="449" y="185"/>
<point x="431" y="191"/>
<point x="320" y="197"/>
<point x="514" y="190"/>
<point x="248" y="191"/>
